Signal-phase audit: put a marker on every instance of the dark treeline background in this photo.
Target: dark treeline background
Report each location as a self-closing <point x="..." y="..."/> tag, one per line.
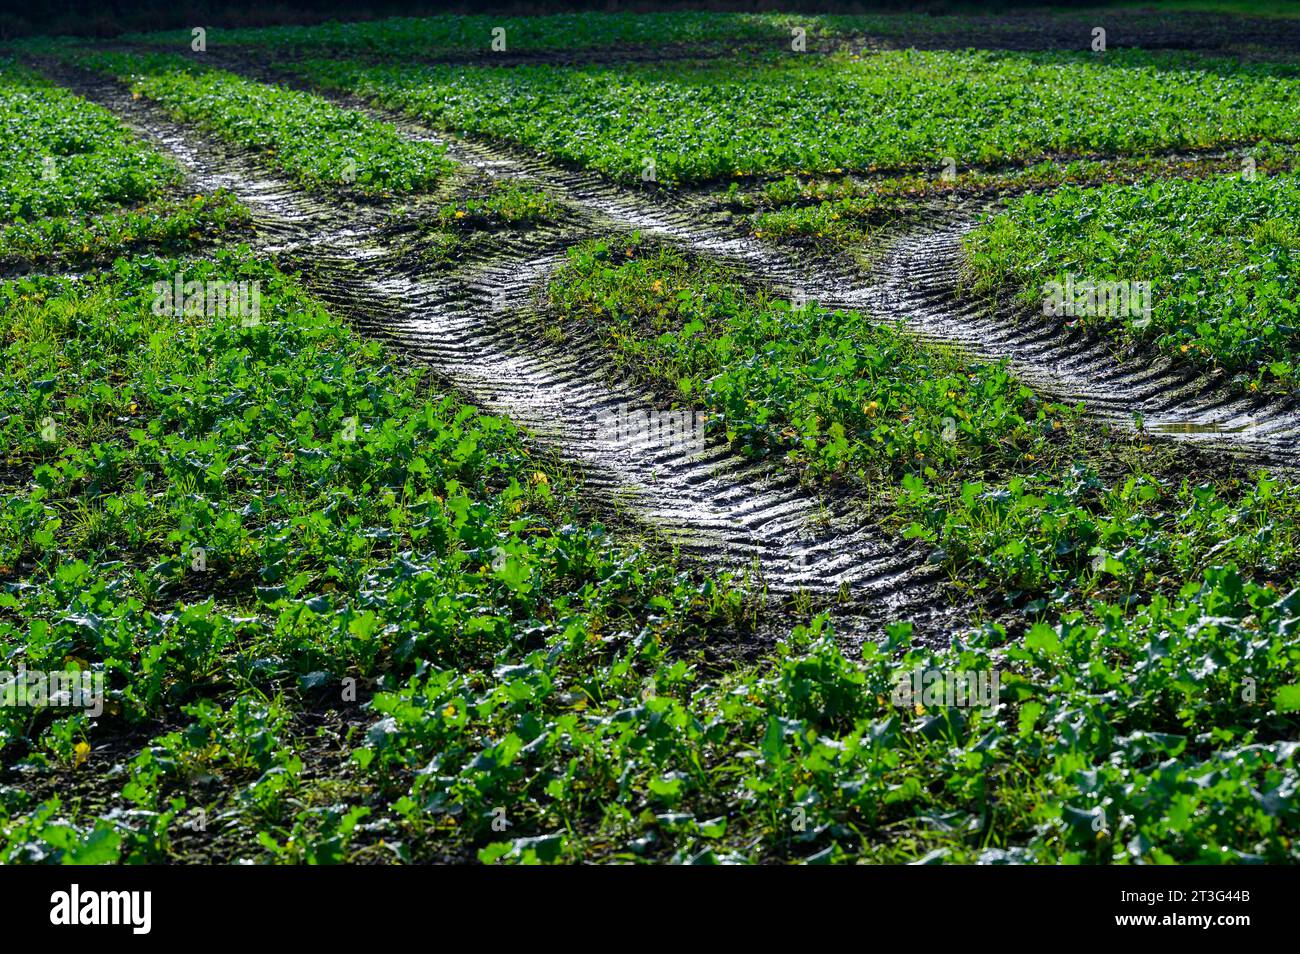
<point x="109" y="17"/>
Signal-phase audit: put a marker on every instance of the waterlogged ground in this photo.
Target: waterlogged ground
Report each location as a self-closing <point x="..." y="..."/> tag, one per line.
<point x="425" y="452"/>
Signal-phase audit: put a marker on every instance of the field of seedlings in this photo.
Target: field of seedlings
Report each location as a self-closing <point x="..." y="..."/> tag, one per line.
<point x="678" y="437"/>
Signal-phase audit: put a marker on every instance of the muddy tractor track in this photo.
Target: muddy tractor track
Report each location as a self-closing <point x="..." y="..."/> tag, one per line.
<point x="475" y="329"/>
<point x="471" y="328"/>
<point x="920" y="285"/>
